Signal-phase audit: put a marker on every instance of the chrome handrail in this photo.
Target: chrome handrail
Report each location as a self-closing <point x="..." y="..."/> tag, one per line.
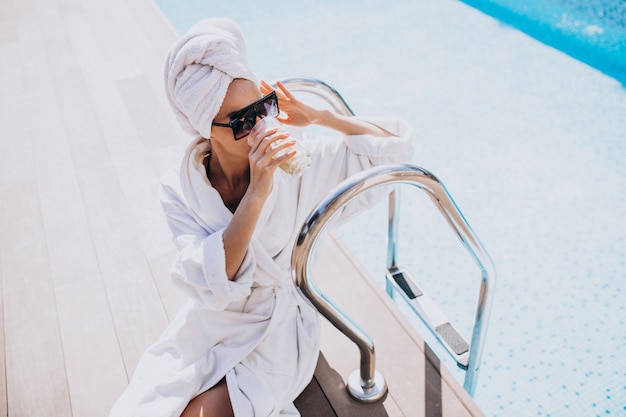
<point x="367" y="384"/>
<point x="334" y="202"/>
<point x="438" y="193"/>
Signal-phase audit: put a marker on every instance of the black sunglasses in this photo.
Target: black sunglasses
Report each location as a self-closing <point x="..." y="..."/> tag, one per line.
<point x="242" y="121"/>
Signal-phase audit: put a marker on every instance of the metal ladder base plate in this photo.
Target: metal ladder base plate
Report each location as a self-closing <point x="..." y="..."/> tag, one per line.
<point x="430" y="314"/>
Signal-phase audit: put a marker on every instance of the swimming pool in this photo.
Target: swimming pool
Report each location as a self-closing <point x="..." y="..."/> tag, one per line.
<point x="530" y="142"/>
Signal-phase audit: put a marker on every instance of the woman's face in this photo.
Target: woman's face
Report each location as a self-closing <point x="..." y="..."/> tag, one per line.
<point x="240" y="93"/>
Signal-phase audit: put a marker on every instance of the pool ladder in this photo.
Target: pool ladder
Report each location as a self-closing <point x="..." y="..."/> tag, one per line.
<point x="366" y="384"/>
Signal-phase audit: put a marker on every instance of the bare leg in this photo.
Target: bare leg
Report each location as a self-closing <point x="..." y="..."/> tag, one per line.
<point x="214" y="402"/>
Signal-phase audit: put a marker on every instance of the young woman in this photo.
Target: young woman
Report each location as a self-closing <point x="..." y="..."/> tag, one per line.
<point x="246" y="343"/>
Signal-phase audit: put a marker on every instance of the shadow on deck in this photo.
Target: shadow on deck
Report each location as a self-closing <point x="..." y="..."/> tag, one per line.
<point x="327" y="395"/>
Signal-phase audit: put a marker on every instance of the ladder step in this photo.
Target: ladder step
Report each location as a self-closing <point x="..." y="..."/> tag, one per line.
<point x="408" y="286"/>
<point x="430" y="314"/>
<point x="453" y="338"/>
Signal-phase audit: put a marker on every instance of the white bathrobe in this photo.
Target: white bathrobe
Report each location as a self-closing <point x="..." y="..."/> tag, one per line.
<point x="257" y="331"/>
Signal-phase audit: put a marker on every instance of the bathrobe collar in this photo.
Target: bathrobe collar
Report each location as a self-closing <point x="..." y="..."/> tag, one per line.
<point x="204" y="200"/>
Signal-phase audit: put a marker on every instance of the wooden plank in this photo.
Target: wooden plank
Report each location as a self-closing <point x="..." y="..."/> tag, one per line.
<point x="3" y="379"/>
<point x="11" y="123"/>
<point x="343" y="405"/>
<point x="160" y="34"/>
<point x="83" y="131"/>
<point x="130" y="293"/>
<point x="13" y="126"/>
<point x="128" y="225"/>
<point x="35" y="366"/>
<point x="154" y="121"/>
<point x="147" y="54"/>
<point x="140" y="184"/>
<point x="95" y="372"/>
<point x="70" y="248"/>
<point x="172" y="298"/>
<point x="134" y="301"/>
<point x="313" y="401"/>
<point x="35" y="374"/>
<point x="133" y="118"/>
<point x="24" y="8"/>
<point x="158" y="29"/>
<point x="122" y="135"/>
<point x="107" y="30"/>
<point x="119" y="260"/>
<point x="433" y="398"/>
<point x="58" y="101"/>
<point x="8" y="29"/>
<point x="70" y="7"/>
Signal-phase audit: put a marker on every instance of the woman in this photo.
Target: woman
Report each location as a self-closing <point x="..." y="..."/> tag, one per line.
<point x="246" y="342"/>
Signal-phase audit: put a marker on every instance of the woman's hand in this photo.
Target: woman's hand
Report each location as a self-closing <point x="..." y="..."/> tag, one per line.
<point x="265" y="146"/>
<point x="292" y="111"/>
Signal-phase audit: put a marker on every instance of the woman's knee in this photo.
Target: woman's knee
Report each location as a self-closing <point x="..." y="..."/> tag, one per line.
<point x="215" y="402"/>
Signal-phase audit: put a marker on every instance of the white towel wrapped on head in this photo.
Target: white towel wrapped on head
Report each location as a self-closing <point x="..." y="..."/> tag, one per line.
<point x="199" y="69"/>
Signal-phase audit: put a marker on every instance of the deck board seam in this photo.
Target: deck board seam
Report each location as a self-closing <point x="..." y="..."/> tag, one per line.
<point x="4" y="403"/>
<point x="330" y="404"/>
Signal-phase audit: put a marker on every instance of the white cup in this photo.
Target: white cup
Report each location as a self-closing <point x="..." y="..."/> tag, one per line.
<point x="295" y="165"/>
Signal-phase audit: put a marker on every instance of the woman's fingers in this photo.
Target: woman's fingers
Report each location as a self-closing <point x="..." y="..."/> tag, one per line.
<point x="285" y="91"/>
<point x="275" y="147"/>
<point x="282" y="92"/>
<point x="268" y="143"/>
<point x="292" y="111"/>
<point x="265" y="88"/>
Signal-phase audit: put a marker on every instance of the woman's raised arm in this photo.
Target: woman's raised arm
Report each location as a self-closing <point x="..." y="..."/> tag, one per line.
<point x="295" y="113"/>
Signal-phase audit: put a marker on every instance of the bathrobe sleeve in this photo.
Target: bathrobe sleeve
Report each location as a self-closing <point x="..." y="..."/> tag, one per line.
<point x="336" y="160"/>
<point x="199" y="267"/>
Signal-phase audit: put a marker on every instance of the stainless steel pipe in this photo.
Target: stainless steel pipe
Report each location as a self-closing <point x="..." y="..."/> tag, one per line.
<point x="368" y="389"/>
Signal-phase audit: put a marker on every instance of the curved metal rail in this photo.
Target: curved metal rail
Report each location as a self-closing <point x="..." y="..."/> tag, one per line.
<point x="366" y="384"/>
<point x="322" y="90"/>
<point x="331" y="205"/>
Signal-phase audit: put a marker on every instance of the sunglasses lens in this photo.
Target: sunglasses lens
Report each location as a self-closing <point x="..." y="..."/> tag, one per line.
<point x="243" y="123"/>
<point x="268" y="107"/>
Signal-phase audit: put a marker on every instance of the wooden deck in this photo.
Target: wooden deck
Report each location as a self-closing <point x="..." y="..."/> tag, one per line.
<point x="85" y="135"/>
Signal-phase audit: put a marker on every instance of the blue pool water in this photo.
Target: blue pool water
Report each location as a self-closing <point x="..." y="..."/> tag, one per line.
<point x="591" y="31"/>
<point x="530" y="142"/>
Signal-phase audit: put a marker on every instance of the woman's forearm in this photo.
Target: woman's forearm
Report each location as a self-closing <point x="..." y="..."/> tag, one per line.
<point x="239" y="231"/>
